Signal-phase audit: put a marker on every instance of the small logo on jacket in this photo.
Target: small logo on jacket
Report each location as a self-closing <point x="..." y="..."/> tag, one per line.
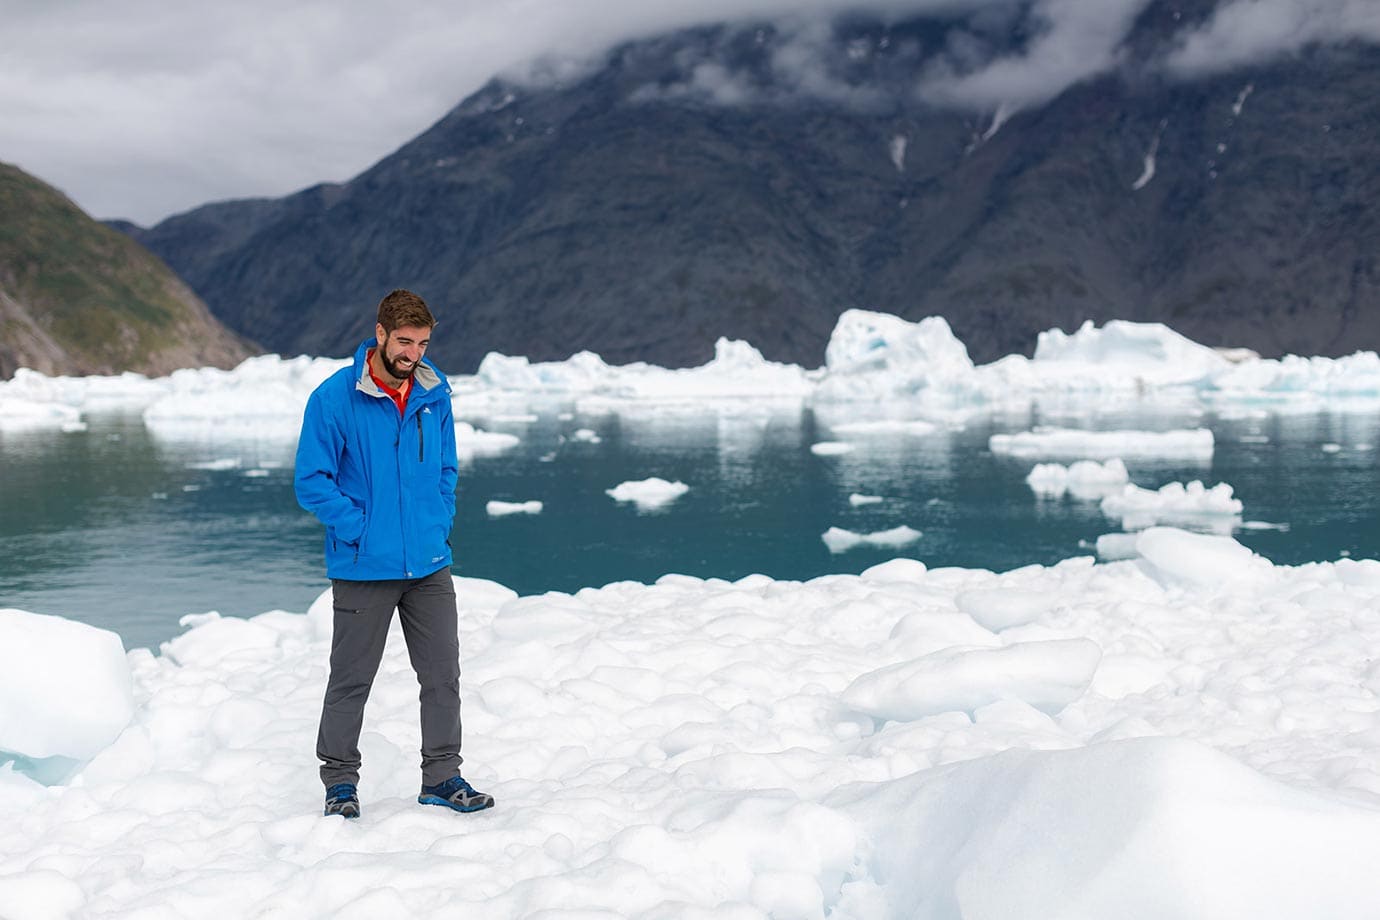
<point x="426" y="410"/>
<point x="437" y="558"/>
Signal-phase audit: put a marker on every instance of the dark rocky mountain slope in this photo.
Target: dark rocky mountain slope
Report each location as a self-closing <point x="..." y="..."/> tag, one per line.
<point x="630" y="213"/>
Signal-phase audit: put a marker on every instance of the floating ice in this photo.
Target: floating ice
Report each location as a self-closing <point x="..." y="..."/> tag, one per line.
<point x="1084" y="479"/>
<point x="920" y="368"/>
<point x="857" y="499"/>
<point x="262" y="398"/>
<point x="1103" y="445"/>
<point x="911" y="427"/>
<point x="502" y="508"/>
<point x="648" y="494"/>
<point x="471" y="442"/>
<point x="841" y="541"/>
<point x="831" y="448"/>
<point x="21" y="415"/>
<point x="1174" y="502"/>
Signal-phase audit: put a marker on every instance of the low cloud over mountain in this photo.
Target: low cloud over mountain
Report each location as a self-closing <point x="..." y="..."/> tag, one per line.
<point x="139" y="109"/>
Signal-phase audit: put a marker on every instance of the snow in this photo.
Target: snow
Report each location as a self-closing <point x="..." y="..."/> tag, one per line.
<point x="1187" y="734"/>
<point x="648" y="494"/>
<point x="1148" y="171"/>
<point x="841" y="541"/>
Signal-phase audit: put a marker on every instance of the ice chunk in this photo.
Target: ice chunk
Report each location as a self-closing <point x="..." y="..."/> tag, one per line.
<point x="1175" y="502"/>
<point x="262" y="398"/>
<point x="1047" y="674"/>
<point x="841" y="541"/>
<point x="1001" y="608"/>
<point x="501" y="508"/>
<point x="648" y="494"/>
<point x="1112" y="546"/>
<point x="471" y="442"/>
<point x="1084" y="479"/>
<point x="1177" y="557"/>
<point x="871" y="355"/>
<point x="65" y="687"/>
<point x="1103" y="445"/>
<point x="21" y="415"/>
<point x="1144" y="353"/>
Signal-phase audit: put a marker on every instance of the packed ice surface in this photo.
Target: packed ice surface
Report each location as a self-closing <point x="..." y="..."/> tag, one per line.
<point x="1192" y="733"/>
<point x="919" y="369"/>
<point x="648" y="494"/>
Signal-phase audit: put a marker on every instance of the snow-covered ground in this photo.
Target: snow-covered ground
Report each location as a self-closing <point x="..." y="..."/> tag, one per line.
<point x="1191" y="732"/>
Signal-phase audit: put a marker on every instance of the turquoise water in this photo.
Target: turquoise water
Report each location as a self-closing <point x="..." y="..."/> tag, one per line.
<point x="115" y="527"/>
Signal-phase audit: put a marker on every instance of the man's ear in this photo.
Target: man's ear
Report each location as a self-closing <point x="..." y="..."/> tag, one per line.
<point x="379" y="334"/>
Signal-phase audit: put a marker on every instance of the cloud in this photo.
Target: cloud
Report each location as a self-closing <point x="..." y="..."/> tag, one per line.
<point x="1074" y="40"/>
<point x="1249" y="31"/>
<point x="140" y="108"/>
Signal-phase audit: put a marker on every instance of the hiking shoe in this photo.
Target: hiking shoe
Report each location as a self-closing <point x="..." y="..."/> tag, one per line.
<point x="457" y="794"/>
<point x="341" y="799"/>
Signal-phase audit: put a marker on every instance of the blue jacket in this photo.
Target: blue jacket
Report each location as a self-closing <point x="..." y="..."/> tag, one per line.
<point x="383" y="484"/>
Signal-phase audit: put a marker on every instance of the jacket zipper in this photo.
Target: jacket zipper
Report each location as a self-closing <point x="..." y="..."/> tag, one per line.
<point x="419" y="437"/>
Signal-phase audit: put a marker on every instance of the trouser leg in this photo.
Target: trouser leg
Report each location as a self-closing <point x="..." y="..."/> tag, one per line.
<point x="363" y="610"/>
<point x="429" y="622"/>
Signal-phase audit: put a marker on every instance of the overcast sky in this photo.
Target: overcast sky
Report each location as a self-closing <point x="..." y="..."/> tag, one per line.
<point x="144" y="108"/>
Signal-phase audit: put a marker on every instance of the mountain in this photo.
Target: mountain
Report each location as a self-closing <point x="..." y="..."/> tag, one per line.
<point x="683" y="189"/>
<point x="77" y="297"/>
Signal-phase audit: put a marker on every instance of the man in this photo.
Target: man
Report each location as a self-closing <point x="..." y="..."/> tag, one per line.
<point x="376" y="464"/>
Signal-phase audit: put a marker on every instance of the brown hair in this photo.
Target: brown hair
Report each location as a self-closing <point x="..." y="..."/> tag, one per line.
<point x="404" y="308"/>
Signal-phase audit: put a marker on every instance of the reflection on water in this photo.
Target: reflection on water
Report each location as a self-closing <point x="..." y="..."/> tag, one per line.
<point x="131" y="530"/>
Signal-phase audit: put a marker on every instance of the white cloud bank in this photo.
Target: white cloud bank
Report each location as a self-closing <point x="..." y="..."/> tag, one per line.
<point x="140" y="109"/>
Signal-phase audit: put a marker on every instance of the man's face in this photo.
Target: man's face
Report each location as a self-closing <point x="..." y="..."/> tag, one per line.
<point x="401" y="350"/>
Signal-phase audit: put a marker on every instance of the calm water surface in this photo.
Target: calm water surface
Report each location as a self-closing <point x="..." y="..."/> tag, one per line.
<point x="116" y="527"/>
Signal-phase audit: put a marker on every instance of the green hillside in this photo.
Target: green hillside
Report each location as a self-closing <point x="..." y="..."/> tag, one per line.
<point x="77" y="297"/>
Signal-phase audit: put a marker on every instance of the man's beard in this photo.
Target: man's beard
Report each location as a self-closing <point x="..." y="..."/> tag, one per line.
<point x="393" y="370"/>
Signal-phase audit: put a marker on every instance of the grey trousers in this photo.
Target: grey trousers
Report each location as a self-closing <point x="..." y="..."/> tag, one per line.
<point x="363" y="611"/>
